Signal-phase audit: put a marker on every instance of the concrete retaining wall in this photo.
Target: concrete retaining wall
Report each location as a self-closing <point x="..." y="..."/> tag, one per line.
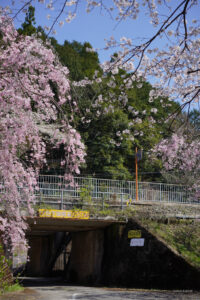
<point x="153" y="265"/>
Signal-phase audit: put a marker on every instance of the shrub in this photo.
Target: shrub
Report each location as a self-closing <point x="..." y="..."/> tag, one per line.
<point x="6" y="278"/>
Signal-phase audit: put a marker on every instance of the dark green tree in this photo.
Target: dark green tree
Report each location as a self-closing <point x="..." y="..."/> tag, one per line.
<point x="77" y="58"/>
<point x="28" y="28"/>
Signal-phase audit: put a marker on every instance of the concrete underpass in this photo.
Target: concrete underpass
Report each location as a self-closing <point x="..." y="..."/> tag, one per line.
<point x="73" y="248"/>
<point x="99" y="252"/>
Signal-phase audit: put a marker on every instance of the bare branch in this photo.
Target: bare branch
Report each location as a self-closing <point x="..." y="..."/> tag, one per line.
<point x="22" y="8"/>
<point x="193" y="71"/>
<point x="58" y="16"/>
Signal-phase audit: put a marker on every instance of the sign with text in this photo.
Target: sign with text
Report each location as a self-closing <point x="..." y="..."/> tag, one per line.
<point x="65" y="214"/>
<point x="137" y="242"/>
<point x="134" y="234"/>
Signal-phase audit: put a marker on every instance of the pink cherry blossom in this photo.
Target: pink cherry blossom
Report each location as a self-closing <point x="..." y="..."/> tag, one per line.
<point x="28" y="68"/>
<point x="181" y="155"/>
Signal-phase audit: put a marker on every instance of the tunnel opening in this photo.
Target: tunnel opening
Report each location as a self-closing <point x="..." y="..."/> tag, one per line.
<point x="60" y="263"/>
<point x="48" y="256"/>
<point x="72" y="257"/>
<point x="70" y="249"/>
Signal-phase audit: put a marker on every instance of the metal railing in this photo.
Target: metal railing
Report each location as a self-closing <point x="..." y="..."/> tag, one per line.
<point x="112" y="192"/>
<point x="58" y="193"/>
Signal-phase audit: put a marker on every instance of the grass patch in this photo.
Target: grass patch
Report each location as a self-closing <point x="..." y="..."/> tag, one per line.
<point x="184" y="237"/>
<point x="16" y="287"/>
<point x="7" y="282"/>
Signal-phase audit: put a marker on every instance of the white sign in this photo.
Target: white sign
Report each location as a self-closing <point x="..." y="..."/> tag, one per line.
<point x="137" y="242"/>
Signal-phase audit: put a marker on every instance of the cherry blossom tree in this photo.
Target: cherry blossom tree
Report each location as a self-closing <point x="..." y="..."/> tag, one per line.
<point x="180" y="156"/>
<point x="29" y="69"/>
<point x="174" y="66"/>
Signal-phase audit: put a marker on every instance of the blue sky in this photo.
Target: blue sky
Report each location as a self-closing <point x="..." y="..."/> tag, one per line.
<point x="96" y="26"/>
<point x="92" y="27"/>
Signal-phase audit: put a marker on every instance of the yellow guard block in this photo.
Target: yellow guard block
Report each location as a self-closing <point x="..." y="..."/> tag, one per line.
<point x="65" y="214"/>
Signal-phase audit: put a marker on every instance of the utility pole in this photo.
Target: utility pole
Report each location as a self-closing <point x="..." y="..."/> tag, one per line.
<point x="136" y="173"/>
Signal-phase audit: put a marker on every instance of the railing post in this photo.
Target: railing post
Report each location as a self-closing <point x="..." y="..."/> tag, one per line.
<point x="103" y="202"/>
<point x="121" y="202"/>
<point x="160" y="193"/>
<point x="40" y="201"/>
<point x="61" y="204"/>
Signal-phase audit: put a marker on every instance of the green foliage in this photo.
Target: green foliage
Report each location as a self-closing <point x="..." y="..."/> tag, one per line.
<point x="28" y="27"/>
<point x="187" y="242"/>
<point x="184" y="237"/>
<point x="41" y="205"/>
<point x="6" y="279"/>
<point x="102" y="156"/>
<point x="79" y="61"/>
<point x="85" y="195"/>
<point x="16" y="287"/>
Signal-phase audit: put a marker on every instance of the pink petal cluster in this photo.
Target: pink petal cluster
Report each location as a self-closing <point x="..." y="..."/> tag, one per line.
<point x="28" y="68"/>
<point x="179" y="153"/>
<point x="181" y="158"/>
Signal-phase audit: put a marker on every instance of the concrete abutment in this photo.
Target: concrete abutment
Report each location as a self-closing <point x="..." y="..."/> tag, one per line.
<point x="86" y="257"/>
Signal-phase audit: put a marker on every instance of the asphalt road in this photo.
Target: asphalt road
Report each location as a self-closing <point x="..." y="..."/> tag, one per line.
<point x="49" y="291"/>
<point x="90" y="293"/>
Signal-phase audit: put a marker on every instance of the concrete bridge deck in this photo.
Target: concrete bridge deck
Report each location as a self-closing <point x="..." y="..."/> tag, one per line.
<point x="38" y="224"/>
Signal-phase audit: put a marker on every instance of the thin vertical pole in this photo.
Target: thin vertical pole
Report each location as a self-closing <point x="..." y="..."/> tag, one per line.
<point x="136" y="173"/>
<point x="61" y="204"/>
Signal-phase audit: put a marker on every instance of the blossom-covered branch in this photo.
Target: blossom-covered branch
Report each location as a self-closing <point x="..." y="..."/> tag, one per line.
<point x="28" y="69"/>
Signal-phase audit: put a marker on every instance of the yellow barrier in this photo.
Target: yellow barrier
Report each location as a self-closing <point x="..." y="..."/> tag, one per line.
<point x="65" y="214"/>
